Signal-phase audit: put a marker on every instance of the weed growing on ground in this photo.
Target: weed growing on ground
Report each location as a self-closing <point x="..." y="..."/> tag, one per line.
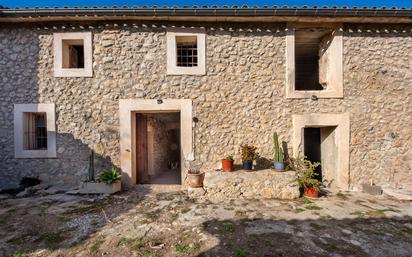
<point x="240" y="253"/>
<point x="313" y="207"/>
<point x="17" y="255"/>
<point x="53" y="239"/>
<point x="342" y="196"/>
<point x="227" y="227"/>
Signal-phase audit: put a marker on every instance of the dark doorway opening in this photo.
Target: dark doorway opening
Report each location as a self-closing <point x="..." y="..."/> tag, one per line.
<point x="312" y="148"/>
<point x="158" y="148"/>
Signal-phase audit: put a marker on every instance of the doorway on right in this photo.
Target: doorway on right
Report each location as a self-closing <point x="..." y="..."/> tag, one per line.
<point x="319" y="145"/>
<point x="324" y="138"/>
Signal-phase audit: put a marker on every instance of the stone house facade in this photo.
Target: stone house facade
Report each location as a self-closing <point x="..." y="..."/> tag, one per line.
<point x="239" y="86"/>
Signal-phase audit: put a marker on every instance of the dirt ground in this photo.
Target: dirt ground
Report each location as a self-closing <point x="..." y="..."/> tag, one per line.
<point x="153" y="223"/>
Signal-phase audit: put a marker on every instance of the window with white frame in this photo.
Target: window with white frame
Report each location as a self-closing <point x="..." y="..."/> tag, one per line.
<point x="72" y="54"/>
<point x="34" y="131"/>
<point x="314" y="61"/>
<point x="186" y="52"/>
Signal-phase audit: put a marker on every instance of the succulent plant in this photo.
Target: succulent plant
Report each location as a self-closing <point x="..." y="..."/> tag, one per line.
<point x="110" y="176"/>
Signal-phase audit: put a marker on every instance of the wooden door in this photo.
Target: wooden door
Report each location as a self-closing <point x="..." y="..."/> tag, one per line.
<point x="141" y="148"/>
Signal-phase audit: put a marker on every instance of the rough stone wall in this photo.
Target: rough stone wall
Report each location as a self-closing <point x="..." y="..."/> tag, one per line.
<point x="240" y="100"/>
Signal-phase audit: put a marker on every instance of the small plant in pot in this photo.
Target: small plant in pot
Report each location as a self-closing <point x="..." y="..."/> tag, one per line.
<point x="194" y="176"/>
<point x="249" y="154"/>
<point x="306" y="176"/>
<point x="227" y="163"/>
<point x="278" y="157"/>
<point x="108" y="182"/>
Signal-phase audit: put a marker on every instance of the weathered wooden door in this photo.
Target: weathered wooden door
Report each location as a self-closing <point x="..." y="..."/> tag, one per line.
<point x="141" y="151"/>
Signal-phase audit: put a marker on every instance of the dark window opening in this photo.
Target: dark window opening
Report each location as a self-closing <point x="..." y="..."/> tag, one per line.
<point x="73" y="54"/>
<point x="312" y="148"/>
<point x="186" y="51"/>
<point x="307" y="48"/>
<point x="35" y="131"/>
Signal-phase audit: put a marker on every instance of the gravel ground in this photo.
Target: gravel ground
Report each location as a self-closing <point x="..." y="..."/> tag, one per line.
<point x="156" y="223"/>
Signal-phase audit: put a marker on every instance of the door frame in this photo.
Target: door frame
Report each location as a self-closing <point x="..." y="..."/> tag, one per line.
<point x="127" y="110"/>
<point x="342" y="137"/>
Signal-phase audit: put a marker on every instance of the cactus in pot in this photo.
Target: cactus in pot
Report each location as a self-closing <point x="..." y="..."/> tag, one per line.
<point x="278" y="153"/>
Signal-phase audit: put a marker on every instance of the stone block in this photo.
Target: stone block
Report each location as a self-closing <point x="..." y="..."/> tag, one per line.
<point x="258" y="184"/>
<point x="371" y="189"/>
<point x="99" y="188"/>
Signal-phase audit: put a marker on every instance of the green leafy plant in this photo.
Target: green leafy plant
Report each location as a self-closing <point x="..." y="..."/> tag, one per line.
<point x="248" y="152"/>
<point x="229" y="158"/>
<point x="305" y="172"/>
<point x="91" y="166"/>
<point x="277" y="149"/>
<point x="110" y="176"/>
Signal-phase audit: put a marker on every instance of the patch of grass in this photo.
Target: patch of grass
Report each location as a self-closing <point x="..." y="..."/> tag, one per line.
<point x="53" y="239"/>
<point x="299" y="210"/>
<point x="373" y="213"/>
<point x="12" y="210"/>
<point x="185" y="210"/>
<point x="408" y="231"/>
<point x="173" y="216"/>
<point x="18" y="240"/>
<point x="312" y="207"/>
<point x="17" y="255"/>
<point x="153" y="215"/>
<point x="315" y="225"/>
<point x="96" y="246"/>
<point x="328" y="246"/>
<point x="342" y="196"/>
<point x="306" y="200"/>
<point x="227" y="227"/>
<point x="182" y="248"/>
<point x="240" y="253"/>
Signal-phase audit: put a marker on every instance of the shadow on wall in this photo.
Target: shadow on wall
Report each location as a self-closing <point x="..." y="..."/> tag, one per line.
<point x="68" y="170"/>
<point x="318" y="237"/>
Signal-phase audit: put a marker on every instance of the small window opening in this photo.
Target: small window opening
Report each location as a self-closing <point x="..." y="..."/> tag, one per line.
<point x="186" y="47"/>
<point x="309" y="48"/>
<point x="35" y="131"/>
<point x="73" y="54"/>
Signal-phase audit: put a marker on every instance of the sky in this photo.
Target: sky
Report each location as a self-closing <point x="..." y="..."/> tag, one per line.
<point x="60" y="3"/>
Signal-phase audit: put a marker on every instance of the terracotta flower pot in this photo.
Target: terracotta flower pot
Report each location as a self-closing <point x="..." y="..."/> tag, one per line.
<point x="227" y="165"/>
<point x="311" y="192"/>
<point x="196" y="180"/>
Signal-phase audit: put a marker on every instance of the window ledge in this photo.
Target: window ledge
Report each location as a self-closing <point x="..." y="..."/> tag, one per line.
<point x="295" y="94"/>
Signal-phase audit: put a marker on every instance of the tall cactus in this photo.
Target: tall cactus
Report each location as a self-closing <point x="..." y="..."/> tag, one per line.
<point x="91" y="166"/>
<point x="277" y="149"/>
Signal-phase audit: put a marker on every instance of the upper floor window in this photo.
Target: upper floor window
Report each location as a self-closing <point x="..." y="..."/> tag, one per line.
<point x="314" y="61"/>
<point x="186" y="52"/>
<point x="34" y="131"/>
<point x="73" y="54"/>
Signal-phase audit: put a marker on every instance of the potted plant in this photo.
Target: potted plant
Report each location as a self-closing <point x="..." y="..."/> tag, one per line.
<point x="306" y="176"/>
<point x="227" y="163"/>
<point x="249" y="154"/>
<point x="278" y="157"/>
<point x="195" y="177"/>
<point x="108" y="183"/>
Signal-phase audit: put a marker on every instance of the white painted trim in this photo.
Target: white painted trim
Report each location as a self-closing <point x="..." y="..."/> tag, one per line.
<point x="59" y="71"/>
<point x="128" y="108"/>
<point x="19" y="110"/>
<point x="342" y="123"/>
<point x="335" y="79"/>
<point x="172" y="68"/>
